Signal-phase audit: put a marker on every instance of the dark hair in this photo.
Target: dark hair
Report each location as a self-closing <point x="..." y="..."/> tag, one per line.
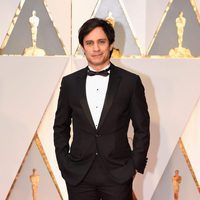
<point x="93" y="23"/>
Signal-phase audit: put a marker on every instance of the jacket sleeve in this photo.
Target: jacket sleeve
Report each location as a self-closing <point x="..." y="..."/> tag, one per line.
<point x="140" y="121"/>
<point x="62" y="125"/>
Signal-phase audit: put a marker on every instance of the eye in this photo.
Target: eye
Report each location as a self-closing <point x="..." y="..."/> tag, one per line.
<point x="102" y="41"/>
<point x="89" y="43"/>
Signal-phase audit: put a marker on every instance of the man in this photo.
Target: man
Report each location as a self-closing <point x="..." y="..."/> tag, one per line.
<point x="99" y="101"/>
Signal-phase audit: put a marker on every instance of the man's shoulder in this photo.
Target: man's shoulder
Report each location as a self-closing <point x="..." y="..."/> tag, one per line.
<point x="75" y="74"/>
<point x="125" y="72"/>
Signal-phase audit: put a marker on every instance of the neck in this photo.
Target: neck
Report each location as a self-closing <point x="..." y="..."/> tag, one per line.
<point x="99" y="68"/>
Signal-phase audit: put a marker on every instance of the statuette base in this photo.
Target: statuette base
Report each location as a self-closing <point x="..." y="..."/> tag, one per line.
<point x="34" y="51"/>
<point x="180" y="52"/>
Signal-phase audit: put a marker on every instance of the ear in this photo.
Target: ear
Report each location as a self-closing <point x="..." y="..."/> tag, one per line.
<point x="111" y="46"/>
<point x="82" y="49"/>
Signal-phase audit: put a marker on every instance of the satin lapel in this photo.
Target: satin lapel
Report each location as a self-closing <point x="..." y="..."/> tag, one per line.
<point x="113" y="86"/>
<point x="81" y="80"/>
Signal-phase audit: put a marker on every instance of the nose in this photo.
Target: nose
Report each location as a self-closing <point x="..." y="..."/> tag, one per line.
<point x="96" y="46"/>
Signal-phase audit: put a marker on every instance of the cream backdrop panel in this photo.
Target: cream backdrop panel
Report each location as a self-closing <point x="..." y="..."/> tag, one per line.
<point x="23" y="186"/>
<point x="144" y="19"/>
<point x="198" y="4"/>
<point x="60" y="11"/>
<point x="188" y="190"/>
<point x="170" y="97"/>
<point x="45" y="133"/>
<point x="154" y="13"/>
<point x="191" y="140"/>
<point x="8" y="8"/>
<point x="26" y="87"/>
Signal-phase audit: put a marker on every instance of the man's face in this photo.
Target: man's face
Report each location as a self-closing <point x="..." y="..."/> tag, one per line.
<point x="97" y="49"/>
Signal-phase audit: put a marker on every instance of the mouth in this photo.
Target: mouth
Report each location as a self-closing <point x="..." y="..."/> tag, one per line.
<point x="97" y="55"/>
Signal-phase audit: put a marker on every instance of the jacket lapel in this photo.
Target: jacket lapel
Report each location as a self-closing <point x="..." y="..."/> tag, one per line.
<point x="81" y="80"/>
<point x="113" y="86"/>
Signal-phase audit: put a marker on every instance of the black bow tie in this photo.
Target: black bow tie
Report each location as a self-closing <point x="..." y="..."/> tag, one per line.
<point x="101" y="73"/>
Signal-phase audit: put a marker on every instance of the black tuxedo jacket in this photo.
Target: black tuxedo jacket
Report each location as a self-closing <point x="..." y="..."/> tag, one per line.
<point x="125" y="101"/>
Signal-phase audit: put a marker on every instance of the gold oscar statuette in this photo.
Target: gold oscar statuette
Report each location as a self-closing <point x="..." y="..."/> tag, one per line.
<point x="176" y="184"/>
<point x="111" y="20"/>
<point x="34" y="178"/>
<point x="180" y="51"/>
<point x="34" y="50"/>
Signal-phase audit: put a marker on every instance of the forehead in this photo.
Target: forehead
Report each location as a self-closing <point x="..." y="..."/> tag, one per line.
<point x="95" y="34"/>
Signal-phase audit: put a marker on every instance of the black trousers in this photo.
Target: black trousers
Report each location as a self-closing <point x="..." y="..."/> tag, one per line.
<point x="98" y="185"/>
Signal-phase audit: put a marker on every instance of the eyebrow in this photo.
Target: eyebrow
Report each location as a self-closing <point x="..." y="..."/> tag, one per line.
<point x="104" y="39"/>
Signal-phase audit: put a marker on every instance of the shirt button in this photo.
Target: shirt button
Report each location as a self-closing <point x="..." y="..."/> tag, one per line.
<point x="96" y="154"/>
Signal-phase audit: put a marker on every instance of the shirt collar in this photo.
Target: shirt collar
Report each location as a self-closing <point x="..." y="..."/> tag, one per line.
<point x="92" y="69"/>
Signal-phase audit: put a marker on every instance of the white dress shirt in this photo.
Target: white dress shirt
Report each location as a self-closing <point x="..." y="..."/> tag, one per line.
<point x="96" y="88"/>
